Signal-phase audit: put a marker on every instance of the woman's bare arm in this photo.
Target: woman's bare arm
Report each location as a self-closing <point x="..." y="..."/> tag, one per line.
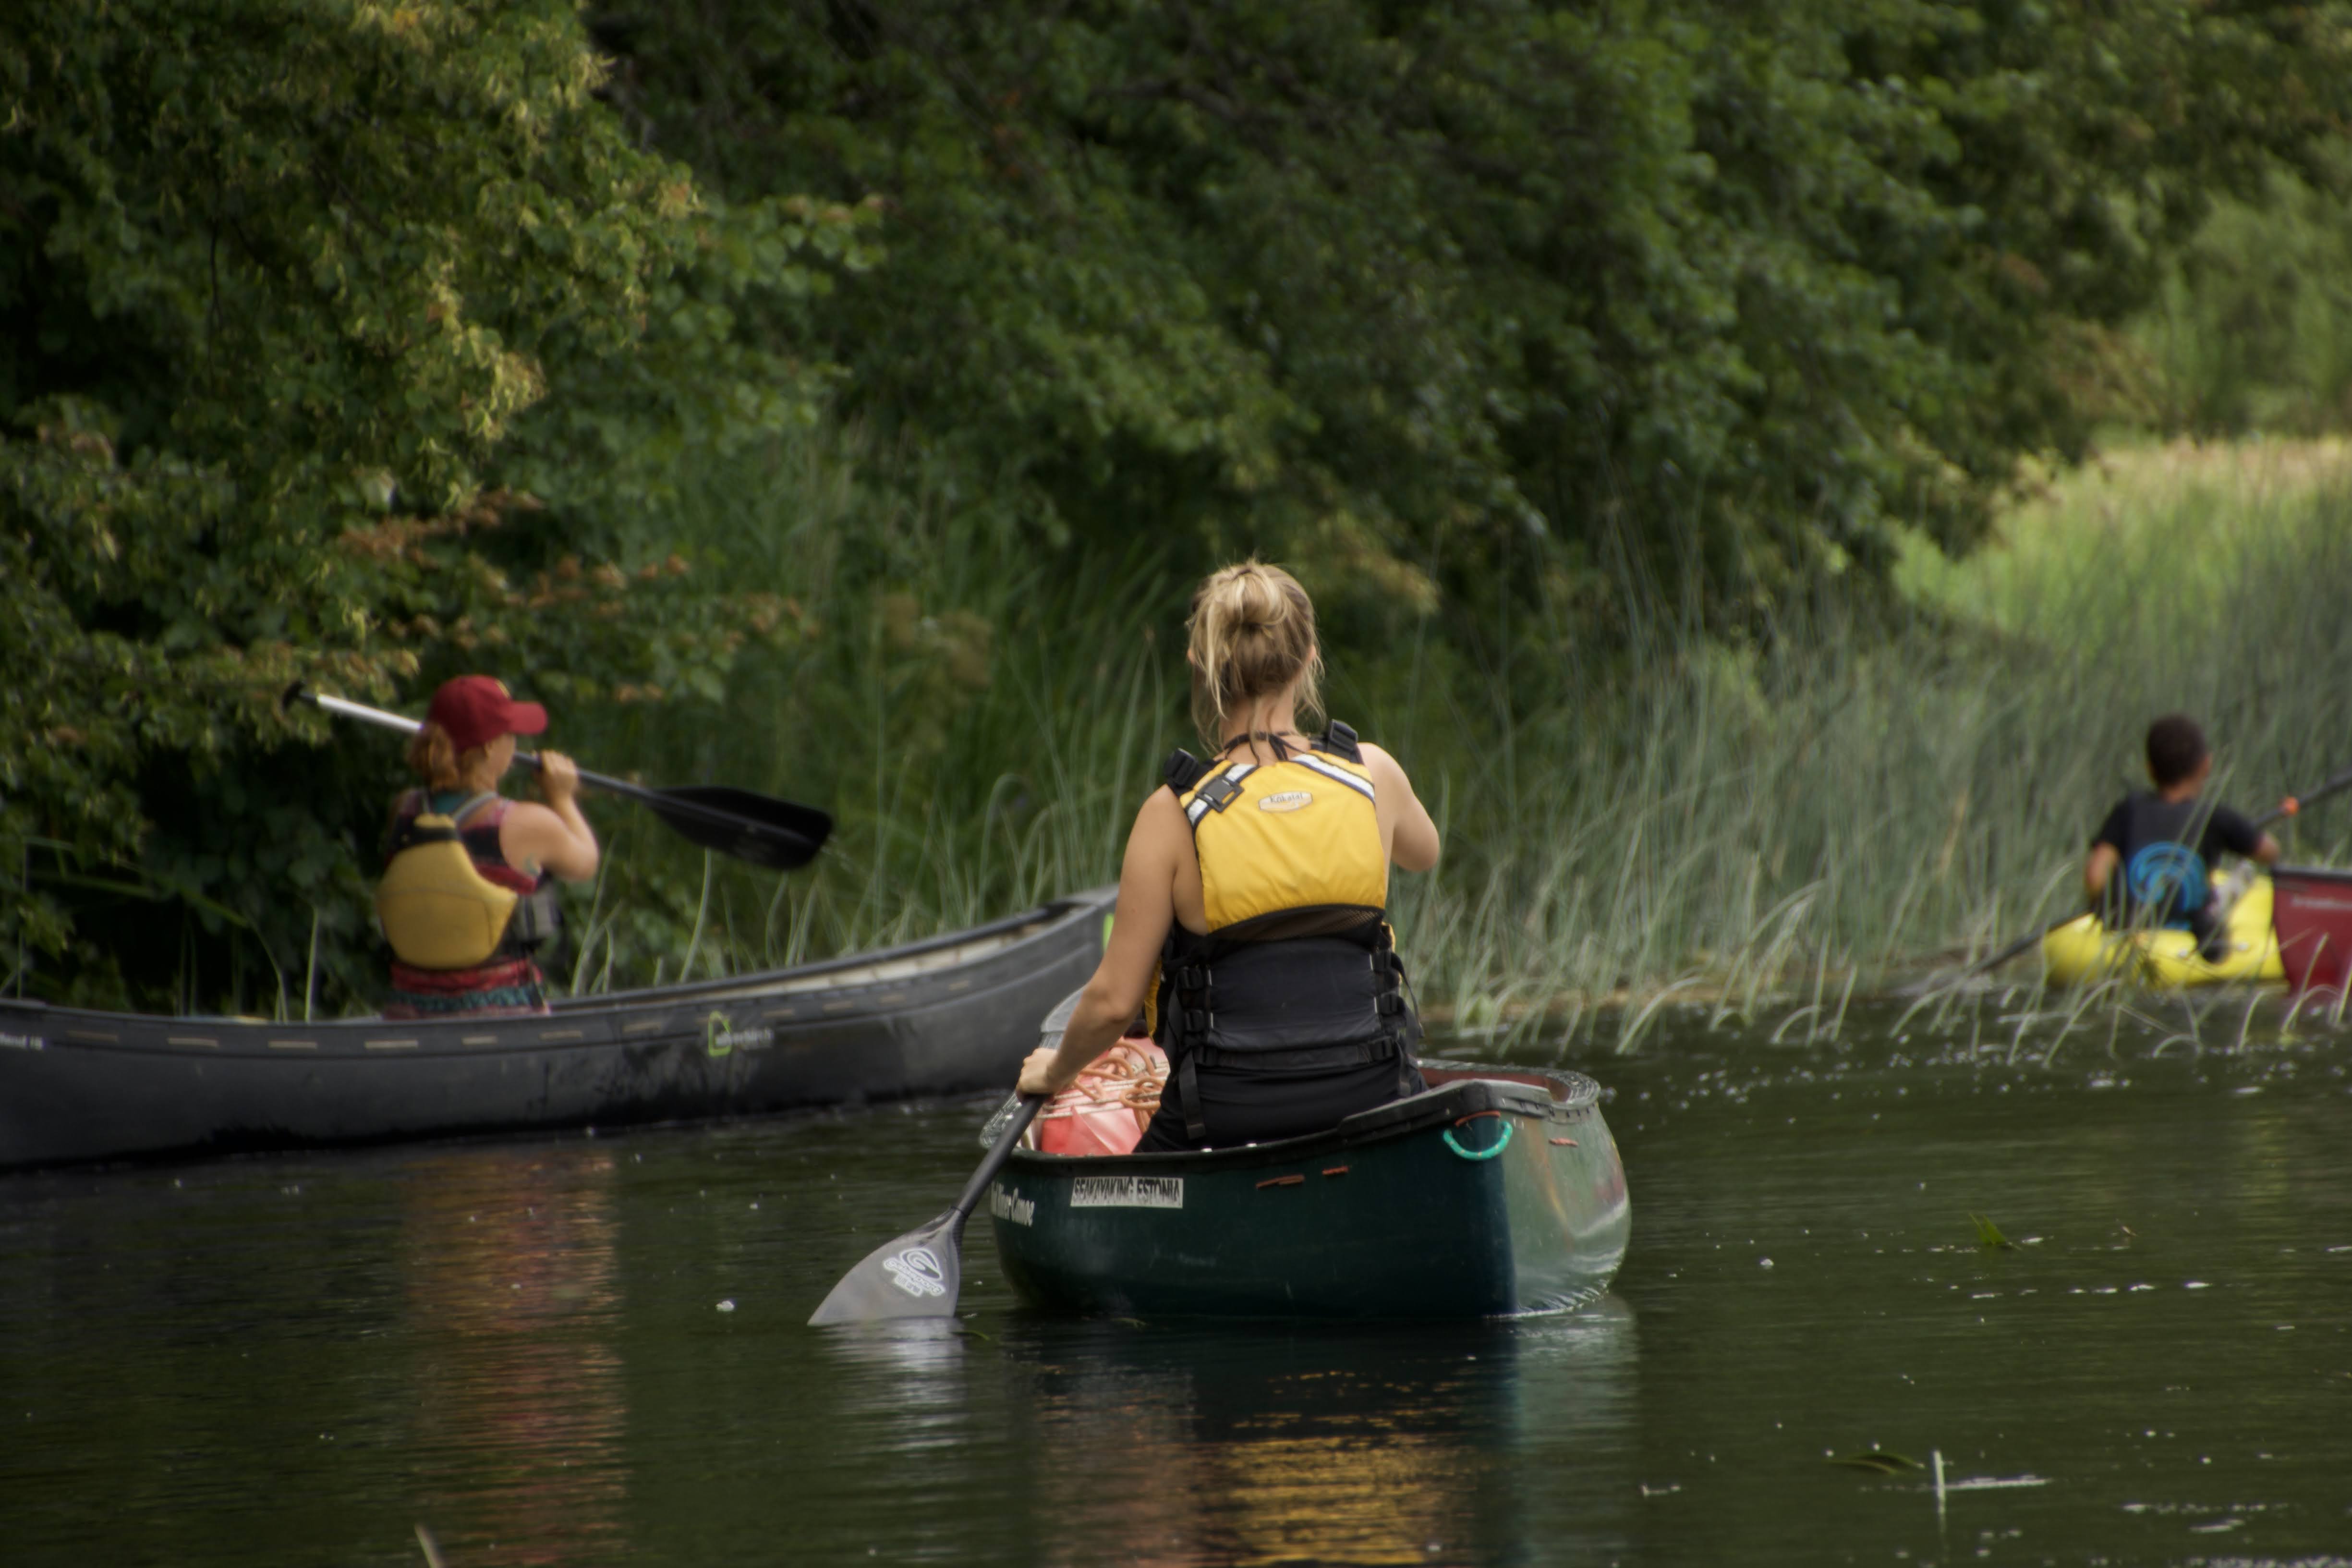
<point x="554" y="837"/>
<point x="1147" y="908"/>
<point x="1413" y="838"/>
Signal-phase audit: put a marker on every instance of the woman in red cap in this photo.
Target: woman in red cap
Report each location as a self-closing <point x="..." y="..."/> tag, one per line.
<point x="465" y="748"/>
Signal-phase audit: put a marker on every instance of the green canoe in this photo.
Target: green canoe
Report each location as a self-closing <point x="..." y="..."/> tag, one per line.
<point x="1500" y="1190"/>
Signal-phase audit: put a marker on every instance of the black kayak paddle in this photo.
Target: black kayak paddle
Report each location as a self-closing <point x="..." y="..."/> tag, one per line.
<point x="919" y="1274"/>
<point x="2287" y="808"/>
<point x="759" y="829"/>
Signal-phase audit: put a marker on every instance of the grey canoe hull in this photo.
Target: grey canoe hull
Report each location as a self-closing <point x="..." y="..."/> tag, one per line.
<point x="950" y="1015"/>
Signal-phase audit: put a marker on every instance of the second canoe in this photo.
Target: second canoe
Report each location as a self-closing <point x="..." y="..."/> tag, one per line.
<point x="1498" y="1190"/>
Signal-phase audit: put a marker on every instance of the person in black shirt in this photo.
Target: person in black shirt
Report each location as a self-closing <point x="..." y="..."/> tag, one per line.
<point x="2164" y="842"/>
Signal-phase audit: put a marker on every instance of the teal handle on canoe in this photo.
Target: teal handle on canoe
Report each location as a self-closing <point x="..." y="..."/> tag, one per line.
<point x="1486" y="1153"/>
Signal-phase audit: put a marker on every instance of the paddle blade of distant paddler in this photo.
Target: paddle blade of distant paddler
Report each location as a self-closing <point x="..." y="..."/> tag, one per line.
<point x="916" y="1276"/>
<point x="755" y="829"/>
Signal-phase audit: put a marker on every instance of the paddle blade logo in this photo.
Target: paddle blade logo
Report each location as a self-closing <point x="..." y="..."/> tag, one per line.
<point x="1287" y="800"/>
<point x="916" y="1271"/>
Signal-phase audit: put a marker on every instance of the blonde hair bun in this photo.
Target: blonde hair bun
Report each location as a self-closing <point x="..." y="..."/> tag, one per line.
<point x="1251" y="634"/>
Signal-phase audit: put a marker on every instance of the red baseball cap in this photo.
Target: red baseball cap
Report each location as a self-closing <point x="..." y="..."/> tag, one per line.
<point x="475" y="710"/>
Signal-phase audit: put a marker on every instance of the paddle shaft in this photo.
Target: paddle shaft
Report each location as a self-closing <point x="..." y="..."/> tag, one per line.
<point x="378" y="717"/>
<point x="804" y="824"/>
<point x="1000" y="1152"/>
<point x="2287" y="808"/>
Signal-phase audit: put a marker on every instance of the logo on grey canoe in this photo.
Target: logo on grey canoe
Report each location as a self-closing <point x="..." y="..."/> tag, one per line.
<point x="916" y="1271"/>
<point x="1126" y="1193"/>
<point x="23" y="1042"/>
<point x="720" y="1037"/>
<point x="1012" y="1206"/>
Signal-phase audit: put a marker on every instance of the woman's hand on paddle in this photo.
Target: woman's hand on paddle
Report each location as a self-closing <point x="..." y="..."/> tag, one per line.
<point x="1041" y="1074"/>
<point x="553" y="837"/>
<point x="559" y="778"/>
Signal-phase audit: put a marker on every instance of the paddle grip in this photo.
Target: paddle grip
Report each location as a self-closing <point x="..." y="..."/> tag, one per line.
<point x="993" y="1161"/>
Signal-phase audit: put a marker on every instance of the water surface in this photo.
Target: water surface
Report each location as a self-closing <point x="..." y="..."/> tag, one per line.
<point x="523" y="1346"/>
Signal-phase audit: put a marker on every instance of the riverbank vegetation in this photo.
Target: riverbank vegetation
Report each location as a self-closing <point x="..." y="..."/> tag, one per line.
<point x="838" y="403"/>
<point x="1844" y="801"/>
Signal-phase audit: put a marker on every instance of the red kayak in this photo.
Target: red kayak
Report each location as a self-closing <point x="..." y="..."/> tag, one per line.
<point x="2311" y="908"/>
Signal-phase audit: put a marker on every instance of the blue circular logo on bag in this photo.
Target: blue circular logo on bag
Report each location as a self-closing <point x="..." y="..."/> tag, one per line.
<point x="2167" y="879"/>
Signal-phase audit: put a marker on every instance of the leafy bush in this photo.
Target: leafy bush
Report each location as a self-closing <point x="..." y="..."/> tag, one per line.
<point x="291" y="287"/>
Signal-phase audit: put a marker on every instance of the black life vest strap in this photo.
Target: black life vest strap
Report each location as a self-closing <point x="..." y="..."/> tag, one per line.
<point x="1218" y="793"/>
<point x="1337" y="738"/>
<point x="1182" y="771"/>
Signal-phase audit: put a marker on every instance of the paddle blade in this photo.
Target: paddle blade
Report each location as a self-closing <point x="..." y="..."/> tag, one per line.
<point x="916" y="1276"/>
<point x="758" y="829"/>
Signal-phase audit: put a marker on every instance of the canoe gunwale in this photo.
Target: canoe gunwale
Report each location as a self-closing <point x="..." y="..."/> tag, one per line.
<point x="2334" y="876"/>
<point x="569" y="1023"/>
<point x="1570" y="1097"/>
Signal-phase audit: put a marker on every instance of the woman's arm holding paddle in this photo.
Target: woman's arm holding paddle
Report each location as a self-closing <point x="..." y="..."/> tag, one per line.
<point x="554" y="837"/>
<point x="1147" y="908"/>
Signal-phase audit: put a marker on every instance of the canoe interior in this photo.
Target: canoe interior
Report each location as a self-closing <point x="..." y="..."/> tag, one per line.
<point x="1403" y="1211"/>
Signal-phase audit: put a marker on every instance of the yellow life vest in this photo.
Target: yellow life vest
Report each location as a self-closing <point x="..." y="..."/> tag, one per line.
<point x="1298" y="971"/>
<point x="437" y="908"/>
<point x="1288" y="847"/>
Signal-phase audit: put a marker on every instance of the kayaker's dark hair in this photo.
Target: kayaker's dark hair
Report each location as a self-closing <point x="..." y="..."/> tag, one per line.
<point x="1251" y="634"/>
<point x="2176" y="744"/>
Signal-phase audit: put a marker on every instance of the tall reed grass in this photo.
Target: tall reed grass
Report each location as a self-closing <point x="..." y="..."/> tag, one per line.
<point x="1803" y="816"/>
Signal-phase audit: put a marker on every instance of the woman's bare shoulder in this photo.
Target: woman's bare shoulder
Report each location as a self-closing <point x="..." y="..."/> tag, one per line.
<point x="529" y="813"/>
<point x="1161" y="816"/>
<point x="1380" y="764"/>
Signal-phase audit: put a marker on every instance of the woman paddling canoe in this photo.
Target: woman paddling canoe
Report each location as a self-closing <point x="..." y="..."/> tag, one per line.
<point x="464" y="901"/>
<point x="1250" y="928"/>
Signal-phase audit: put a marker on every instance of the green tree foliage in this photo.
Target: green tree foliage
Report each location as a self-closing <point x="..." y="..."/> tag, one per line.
<point x="2252" y="330"/>
<point x="313" y="311"/>
<point x="1619" y="303"/>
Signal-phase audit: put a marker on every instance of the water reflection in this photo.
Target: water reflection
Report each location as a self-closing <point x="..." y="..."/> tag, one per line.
<point x="902" y="1385"/>
<point x="1176" y="1445"/>
<point x="292" y="1361"/>
<point x="510" y="1267"/>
